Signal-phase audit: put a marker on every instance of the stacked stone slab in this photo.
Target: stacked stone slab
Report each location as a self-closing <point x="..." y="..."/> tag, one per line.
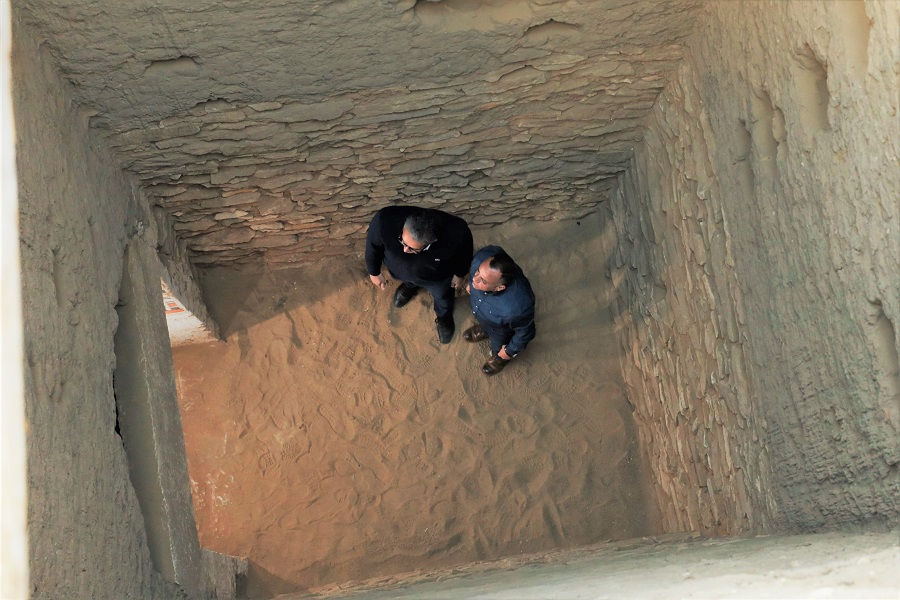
<point x="279" y="146"/>
<point x="757" y="269"/>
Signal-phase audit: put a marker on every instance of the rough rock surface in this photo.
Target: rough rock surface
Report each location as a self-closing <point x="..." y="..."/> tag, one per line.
<point x="824" y="565"/>
<point x="149" y="422"/>
<point x="279" y="130"/>
<point x="757" y="271"/>
<point x="181" y="277"/>
<point x="757" y="222"/>
<point x="77" y="214"/>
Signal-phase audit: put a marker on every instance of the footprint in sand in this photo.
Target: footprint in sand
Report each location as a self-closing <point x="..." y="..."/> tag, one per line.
<point x="266" y="461"/>
<point x="342" y="321"/>
<point x="422" y="412"/>
<point x="342" y="427"/>
<point x="554" y="524"/>
<point x="294" y="448"/>
<point x="541" y="466"/>
<point x="521" y="424"/>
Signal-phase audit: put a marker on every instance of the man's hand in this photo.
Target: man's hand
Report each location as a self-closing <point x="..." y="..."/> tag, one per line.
<point x="459" y="284"/>
<point x="378" y="281"/>
<point x="502" y="354"/>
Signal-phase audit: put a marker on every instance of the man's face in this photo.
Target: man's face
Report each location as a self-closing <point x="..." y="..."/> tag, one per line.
<point x="487" y="279"/>
<point x="410" y="245"/>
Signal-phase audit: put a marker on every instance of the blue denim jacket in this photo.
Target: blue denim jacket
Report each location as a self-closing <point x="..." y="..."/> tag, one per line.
<point x="507" y="316"/>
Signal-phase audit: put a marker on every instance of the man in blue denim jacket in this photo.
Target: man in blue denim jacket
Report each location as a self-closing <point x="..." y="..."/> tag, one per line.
<point x="503" y="305"/>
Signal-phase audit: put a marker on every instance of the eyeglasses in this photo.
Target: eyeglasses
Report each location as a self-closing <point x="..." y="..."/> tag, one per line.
<point x="410" y="248"/>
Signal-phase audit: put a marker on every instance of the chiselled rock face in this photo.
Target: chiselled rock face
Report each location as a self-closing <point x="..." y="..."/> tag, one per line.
<point x="274" y="130"/>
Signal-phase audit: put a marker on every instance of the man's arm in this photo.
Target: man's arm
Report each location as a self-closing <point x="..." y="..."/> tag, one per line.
<point x="375" y="251"/>
<point x="374" y="246"/>
<point x="524" y="331"/>
<point x="462" y="258"/>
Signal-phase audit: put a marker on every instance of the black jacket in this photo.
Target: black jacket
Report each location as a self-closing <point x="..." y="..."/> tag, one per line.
<point x="449" y="255"/>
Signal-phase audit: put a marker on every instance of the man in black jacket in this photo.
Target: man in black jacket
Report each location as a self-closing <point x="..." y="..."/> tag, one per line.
<point x="422" y="248"/>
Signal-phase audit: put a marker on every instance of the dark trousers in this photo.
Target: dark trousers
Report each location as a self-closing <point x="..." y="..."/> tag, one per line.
<point x="443" y="299"/>
<point x="443" y="295"/>
<point x="499" y="336"/>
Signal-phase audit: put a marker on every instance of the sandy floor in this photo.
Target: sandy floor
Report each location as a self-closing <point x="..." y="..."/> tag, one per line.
<point x="832" y="565"/>
<point x="332" y="438"/>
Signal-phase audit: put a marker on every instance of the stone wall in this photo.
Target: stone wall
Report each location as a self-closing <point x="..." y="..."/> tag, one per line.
<point x="280" y="145"/>
<point x="149" y="420"/>
<point x="77" y="213"/>
<point x="180" y="279"/>
<point x="294" y="181"/>
<point x="757" y="269"/>
<point x="13" y="507"/>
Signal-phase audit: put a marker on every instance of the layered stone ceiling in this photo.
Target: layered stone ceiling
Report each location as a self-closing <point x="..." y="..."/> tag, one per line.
<point x="273" y="130"/>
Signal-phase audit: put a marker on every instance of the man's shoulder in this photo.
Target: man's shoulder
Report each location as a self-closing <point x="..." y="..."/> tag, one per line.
<point x="490" y="249"/>
<point x="526" y="286"/>
<point x="451" y="222"/>
<point x="521" y="295"/>
<point x="395" y="211"/>
<point x="392" y="217"/>
<point x="485" y="252"/>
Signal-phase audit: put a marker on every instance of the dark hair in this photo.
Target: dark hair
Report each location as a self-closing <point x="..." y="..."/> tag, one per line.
<point x="509" y="270"/>
<point x="422" y="226"/>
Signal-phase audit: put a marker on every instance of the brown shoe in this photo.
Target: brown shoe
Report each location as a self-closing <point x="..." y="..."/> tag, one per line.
<point x="475" y="334"/>
<point x="493" y="366"/>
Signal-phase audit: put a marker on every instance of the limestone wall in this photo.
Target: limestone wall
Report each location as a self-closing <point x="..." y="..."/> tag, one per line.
<point x="180" y="276"/>
<point x="149" y="420"/>
<point x="757" y="269"/>
<point x="77" y="212"/>
<point x="13" y="509"/>
<point x="280" y="144"/>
